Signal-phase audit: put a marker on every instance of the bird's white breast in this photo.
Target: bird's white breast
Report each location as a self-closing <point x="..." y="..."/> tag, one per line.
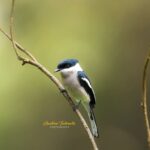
<point x="71" y="82"/>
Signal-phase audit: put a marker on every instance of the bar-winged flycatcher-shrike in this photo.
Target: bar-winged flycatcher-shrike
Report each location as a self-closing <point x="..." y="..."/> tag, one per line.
<point x="79" y="86"/>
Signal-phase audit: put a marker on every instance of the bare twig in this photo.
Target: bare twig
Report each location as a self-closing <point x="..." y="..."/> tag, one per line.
<point x="19" y="46"/>
<point x="11" y="29"/>
<point x="144" y="99"/>
<point x="12" y="37"/>
<point x="30" y="59"/>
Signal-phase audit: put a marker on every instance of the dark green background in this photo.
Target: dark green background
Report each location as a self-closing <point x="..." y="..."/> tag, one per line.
<point x="111" y="40"/>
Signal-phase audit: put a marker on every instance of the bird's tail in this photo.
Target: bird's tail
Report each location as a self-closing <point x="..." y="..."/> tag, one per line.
<point x="93" y="123"/>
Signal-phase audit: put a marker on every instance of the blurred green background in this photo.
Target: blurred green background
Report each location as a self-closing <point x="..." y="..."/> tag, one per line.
<point x="111" y="40"/>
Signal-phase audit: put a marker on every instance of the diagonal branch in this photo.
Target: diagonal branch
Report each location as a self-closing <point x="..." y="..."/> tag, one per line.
<point x="30" y="59"/>
<point x="144" y="99"/>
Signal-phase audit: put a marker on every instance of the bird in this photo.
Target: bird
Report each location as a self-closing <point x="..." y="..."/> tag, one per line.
<point x="79" y="87"/>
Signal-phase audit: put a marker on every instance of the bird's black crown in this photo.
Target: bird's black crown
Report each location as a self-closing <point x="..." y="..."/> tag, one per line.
<point x="67" y="63"/>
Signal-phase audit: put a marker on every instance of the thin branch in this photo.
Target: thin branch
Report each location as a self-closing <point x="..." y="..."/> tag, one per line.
<point x="32" y="61"/>
<point x="19" y="46"/>
<point x="11" y="29"/>
<point x="12" y="37"/>
<point x="144" y="99"/>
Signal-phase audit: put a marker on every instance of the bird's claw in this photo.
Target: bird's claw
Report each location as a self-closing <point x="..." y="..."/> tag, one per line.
<point x="76" y="106"/>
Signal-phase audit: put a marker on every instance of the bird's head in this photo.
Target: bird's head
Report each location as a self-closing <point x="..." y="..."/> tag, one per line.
<point x="68" y="65"/>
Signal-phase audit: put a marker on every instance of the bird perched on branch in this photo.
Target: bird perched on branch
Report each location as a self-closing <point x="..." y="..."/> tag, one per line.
<point x="78" y="85"/>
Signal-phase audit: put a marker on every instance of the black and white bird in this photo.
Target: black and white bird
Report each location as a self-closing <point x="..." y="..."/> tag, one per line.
<point x="79" y="86"/>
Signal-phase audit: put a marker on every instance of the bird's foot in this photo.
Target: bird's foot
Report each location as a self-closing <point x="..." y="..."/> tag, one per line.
<point x="76" y="106"/>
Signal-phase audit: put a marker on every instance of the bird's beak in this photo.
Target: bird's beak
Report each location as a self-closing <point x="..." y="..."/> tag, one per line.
<point x="56" y="70"/>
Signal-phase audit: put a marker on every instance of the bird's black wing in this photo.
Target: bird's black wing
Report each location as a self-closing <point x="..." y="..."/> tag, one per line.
<point x="85" y="83"/>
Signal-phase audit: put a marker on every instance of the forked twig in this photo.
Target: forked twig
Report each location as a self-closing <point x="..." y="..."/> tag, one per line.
<point x="30" y="59"/>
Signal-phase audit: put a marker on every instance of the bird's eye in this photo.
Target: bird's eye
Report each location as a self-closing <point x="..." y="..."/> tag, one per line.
<point x="67" y="65"/>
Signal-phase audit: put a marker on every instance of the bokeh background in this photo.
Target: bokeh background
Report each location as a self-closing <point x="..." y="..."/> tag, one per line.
<point x="111" y="40"/>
